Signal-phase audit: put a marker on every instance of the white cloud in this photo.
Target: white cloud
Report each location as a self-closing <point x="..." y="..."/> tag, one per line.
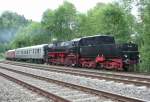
<point x="33" y="9"/>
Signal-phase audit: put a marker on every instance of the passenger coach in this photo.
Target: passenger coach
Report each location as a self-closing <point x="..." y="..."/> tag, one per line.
<point x="33" y="53"/>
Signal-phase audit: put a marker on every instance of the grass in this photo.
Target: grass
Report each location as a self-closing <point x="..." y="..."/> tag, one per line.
<point x="2" y="56"/>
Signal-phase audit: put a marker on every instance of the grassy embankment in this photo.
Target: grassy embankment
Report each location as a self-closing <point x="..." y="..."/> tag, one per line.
<point x="2" y="56"/>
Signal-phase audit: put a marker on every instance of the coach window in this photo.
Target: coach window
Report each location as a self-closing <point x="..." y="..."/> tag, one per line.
<point x="37" y="50"/>
<point x="34" y="51"/>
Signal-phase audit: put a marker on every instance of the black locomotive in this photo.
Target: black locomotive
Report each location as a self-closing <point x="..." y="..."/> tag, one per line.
<point x="93" y="52"/>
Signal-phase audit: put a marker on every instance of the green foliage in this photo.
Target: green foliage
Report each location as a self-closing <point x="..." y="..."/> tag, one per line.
<point x="9" y="20"/>
<point x="107" y="19"/>
<point x="83" y="27"/>
<point x="9" y="24"/>
<point x="3" y="47"/>
<point x="145" y="50"/>
<point x="1" y="56"/>
<point x="60" y="23"/>
<point x="33" y="34"/>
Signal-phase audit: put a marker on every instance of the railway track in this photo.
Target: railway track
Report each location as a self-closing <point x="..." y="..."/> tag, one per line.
<point x="34" y="89"/>
<point x="11" y="74"/>
<point x="124" y="78"/>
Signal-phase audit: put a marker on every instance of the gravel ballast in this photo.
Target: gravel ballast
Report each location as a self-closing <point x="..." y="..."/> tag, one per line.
<point x="12" y="92"/>
<point x="64" y="92"/>
<point x="129" y="90"/>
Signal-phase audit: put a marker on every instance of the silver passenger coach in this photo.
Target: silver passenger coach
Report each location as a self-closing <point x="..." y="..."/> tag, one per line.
<point x="33" y="53"/>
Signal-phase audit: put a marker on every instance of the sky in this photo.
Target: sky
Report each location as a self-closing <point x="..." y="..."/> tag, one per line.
<point x="33" y="9"/>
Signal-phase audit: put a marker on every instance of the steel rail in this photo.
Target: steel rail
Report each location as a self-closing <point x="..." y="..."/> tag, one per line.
<point x="117" y="78"/>
<point x="81" y="88"/>
<point x="125" y="75"/>
<point x="35" y="89"/>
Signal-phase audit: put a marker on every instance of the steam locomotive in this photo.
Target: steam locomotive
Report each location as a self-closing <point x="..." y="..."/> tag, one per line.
<point x="90" y="52"/>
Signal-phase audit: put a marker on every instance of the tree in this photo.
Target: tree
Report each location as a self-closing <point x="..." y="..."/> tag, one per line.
<point x="145" y="50"/>
<point x="109" y="20"/>
<point x="48" y="22"/>
<point x="60" y="22"/>
<point x="33" y="34"/>
<point x="82" y="26"/>
<point x="9" y="24"/>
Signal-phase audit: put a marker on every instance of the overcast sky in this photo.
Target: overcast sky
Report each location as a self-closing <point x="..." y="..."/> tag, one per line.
<point x="33" y="9"/>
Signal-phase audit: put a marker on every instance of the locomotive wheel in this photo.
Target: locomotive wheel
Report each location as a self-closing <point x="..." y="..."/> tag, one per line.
<point x="126" y="68"/>
<point x="98" y="66"/>
<point x="129" y="68"/>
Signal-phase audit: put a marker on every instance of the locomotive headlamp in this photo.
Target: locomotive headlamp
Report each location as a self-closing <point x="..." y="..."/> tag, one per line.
<point x="139" y="55"/>
<point x="125" y="56"/>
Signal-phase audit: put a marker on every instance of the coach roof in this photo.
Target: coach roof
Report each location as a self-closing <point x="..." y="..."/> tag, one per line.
<point x="36" y="46"/>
